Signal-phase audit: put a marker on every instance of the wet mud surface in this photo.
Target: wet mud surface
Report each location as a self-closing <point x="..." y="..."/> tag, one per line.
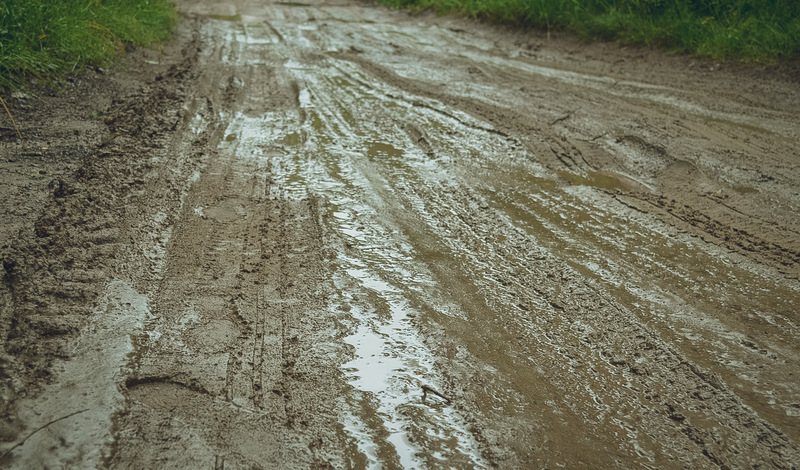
<point x="333" y="236"/>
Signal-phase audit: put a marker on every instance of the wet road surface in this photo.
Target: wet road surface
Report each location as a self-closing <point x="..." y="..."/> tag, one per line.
<point x="409" y="245"/>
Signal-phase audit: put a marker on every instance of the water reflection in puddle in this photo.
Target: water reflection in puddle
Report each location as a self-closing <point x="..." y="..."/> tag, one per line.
<point x="396" y="370"/>
<point x="391" y="367"/>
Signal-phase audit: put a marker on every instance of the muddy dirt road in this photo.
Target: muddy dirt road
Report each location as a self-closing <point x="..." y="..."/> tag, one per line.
<point x="333" y="236"/>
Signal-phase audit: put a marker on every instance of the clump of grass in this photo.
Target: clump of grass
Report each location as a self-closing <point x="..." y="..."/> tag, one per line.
<point x="46" y="38"/>
<point x="746" y="30"/>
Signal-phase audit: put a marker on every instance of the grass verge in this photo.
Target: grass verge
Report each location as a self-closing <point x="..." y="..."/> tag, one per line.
<point x="46" y="38"/>
<point x="745" y="30"/>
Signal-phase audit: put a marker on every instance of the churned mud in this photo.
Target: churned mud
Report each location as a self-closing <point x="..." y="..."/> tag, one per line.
<point x="330" y="235"/>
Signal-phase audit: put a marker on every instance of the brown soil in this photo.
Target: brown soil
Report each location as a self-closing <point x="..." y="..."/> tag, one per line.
<point x="332" y="235"/>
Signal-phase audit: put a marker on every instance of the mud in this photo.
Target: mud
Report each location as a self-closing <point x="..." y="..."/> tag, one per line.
<point x="331" y="235"/>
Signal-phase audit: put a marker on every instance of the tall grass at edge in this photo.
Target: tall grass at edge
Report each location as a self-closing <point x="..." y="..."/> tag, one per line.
<point x="744" y="30"/>
<point x="42" y="39"/>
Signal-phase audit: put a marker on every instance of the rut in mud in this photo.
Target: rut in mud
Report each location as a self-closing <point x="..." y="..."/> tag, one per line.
<point x="330" y="235"/>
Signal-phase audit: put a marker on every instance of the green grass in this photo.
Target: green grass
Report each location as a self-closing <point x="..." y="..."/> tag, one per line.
<point x="44" y="39"/>
<point x="745" y="30"/>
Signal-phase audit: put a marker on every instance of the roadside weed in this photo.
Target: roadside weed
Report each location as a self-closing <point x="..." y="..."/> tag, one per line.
<point x="746" y="30"/>
<point x="41" y="39"/>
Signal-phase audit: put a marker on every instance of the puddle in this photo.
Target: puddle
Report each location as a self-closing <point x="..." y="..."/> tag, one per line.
<point x="394" y="367"/>
<point x="382" y="149"/>
<point x="744" y="190"/>
<point x="316" y="123"/>
<point x="249" y="135"/>
<point x="295" y="138"/>
<point x="378" y="370"/>
<point x="304" y="98"/>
